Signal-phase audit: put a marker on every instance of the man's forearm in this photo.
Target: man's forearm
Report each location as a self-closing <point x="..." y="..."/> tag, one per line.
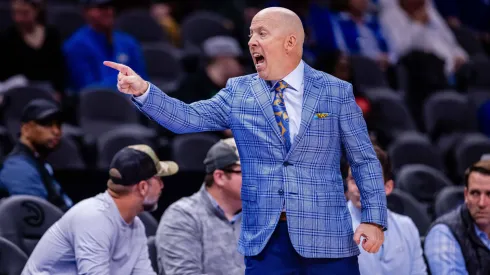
<point x="179" y="117"/>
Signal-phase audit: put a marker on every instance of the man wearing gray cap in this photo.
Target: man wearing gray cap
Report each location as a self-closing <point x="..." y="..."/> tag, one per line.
<point x="221" y="61"/>
<point x="199" y="234"/>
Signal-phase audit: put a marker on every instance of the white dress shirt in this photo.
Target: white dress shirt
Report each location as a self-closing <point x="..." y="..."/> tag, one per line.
<point x="293" y="97"/>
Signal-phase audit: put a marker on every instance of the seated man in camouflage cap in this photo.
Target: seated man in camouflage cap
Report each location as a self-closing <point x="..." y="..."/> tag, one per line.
<point x="199" y="234"/>
<point x="103" y="235"/>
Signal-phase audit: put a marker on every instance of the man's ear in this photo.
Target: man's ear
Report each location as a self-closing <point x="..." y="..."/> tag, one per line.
<point x="218" y="177"/>
<point x="290" y="43"/>
<point x="26" y="128"/>
<point x="143" y="188"/>
<point x="389" y="185"/>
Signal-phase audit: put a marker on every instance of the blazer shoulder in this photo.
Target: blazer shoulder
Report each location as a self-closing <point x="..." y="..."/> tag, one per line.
<point x="242" y="79"/>
<point x="329" y="79"/>
<point x="239" y="81"/>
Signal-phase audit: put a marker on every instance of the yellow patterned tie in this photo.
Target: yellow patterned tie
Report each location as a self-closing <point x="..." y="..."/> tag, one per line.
<point x="280" y="112"/>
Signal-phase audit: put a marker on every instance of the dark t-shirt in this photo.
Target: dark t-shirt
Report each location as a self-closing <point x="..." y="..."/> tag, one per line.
<point x="197" y="87"/>
<point x="43" y="64"/>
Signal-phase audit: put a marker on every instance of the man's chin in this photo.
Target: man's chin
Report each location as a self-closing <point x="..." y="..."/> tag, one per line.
<point x="262" y="73"/>
<point x="482" y="222"/>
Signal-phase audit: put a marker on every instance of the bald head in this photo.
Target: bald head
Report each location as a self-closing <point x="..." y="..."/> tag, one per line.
<point x="287" y="21"/>
<point x="276" y="42"/>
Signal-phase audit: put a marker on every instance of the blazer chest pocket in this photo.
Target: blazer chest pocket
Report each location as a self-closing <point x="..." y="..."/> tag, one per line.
<point x="325" y="122"/>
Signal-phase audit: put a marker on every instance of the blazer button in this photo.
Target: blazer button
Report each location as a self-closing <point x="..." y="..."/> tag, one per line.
<point x="280" y="191"/>
<point x="286" y="163"/>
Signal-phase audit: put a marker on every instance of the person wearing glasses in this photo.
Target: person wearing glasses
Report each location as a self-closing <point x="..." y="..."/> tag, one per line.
<point x="199" y="234"/>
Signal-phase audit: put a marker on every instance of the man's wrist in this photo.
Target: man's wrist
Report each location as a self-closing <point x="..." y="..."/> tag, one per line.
<point x="375" y="224"/>
<point x="144" y="90"/>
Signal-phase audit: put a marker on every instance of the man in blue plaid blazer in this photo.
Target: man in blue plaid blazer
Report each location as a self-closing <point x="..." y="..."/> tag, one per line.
<point x="290" y="123"/>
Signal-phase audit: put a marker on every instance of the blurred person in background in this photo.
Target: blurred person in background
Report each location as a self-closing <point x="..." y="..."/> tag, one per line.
<point x="32" y="48"/>
<point x="459" y="241"/>
<point x="472" y="14"/>
<point x="199" y="234"/>
<point x="87" y="48"/>
<point x="162" y="12"/>
<point x="358" y="32"/>
<point x="416" y="25"/>
<point x="401" y="252"/>
<point x="103" y="234"/>
<point x="222" y="58"/>
<point x="25" y="171"/>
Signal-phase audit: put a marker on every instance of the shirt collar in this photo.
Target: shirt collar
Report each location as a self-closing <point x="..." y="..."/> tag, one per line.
<point x="219" y="209"/>
<point x="482" y="235"/>
<point x="295" y="78"/>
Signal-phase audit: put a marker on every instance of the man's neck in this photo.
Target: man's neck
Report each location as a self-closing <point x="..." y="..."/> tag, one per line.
<point x="106" y="32"/>
<point x="229" y="205"/>
<point x="27" y="143"/>
<point x="125" y="207"/>
<point x="292" y="66"/>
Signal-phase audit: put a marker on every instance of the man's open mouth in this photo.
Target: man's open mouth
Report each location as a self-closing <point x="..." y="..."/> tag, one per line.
<point x="259" y="59"/>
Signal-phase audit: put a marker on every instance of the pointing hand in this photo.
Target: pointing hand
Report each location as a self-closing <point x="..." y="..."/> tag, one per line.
<point x="128" y="81"/>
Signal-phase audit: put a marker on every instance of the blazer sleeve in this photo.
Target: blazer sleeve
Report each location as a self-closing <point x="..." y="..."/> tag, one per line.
<point x="364" y="164"/>
<point x="206" y="115"/>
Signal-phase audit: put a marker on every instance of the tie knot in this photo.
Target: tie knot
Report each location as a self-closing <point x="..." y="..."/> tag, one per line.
<point x="280" y="86"/>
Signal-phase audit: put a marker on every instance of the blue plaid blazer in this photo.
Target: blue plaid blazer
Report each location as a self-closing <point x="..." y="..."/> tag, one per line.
<point x="307" y="178"/>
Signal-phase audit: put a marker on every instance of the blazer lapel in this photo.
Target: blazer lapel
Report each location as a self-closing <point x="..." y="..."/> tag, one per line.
<point x="311" y="97"/>
<point x="262" y="93"/>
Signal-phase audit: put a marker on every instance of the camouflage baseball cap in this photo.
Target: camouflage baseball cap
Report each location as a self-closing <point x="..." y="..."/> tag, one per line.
<point x="135" y="163"/>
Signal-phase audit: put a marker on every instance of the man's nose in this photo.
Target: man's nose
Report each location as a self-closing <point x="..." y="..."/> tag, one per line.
<point x="252" y="42"/>
<point x="483" y="201"/>
<point x="56" y="130"/>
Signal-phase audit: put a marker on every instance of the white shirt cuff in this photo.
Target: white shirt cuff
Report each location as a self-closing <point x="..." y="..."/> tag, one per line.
<point x="142" y="98"/>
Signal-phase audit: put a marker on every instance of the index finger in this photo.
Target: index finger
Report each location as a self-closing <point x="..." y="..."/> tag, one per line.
<point x="120" y="67"/>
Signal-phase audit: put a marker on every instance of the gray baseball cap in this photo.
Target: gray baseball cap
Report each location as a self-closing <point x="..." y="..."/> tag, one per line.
<point x="222" y="154"/>
<point x="221" y="46"/>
